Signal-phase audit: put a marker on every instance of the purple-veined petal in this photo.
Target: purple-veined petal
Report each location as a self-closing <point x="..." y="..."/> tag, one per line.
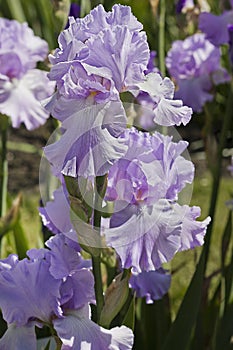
<point x="87" y="148"/>
<point x="193" y="231"/>
<point x="148" y="239"/>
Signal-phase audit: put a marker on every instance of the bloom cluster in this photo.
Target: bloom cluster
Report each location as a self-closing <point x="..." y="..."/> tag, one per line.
<point x="53" y="287"/>
<point x="99" y="58"/>
<point x="22" y="86"/>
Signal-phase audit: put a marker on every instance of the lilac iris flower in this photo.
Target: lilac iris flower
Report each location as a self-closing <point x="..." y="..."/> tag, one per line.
<point x="216" y="27"/>
<point x="194" y="63"/>
<point x="148" y="227"/>
<point x="53" y="287"/>
<point x="22" y="87"/>
<point x="98" y="57"/>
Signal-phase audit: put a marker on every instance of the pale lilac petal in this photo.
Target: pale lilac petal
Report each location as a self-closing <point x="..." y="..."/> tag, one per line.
<point x="215" y="27"/>
<point x="150" y="284"/>
<point x="125" y="53"/>
<point x="18" y="338"/>
<point x="87" y="148"/>
<point x="167" y="111"/>
<point x="20" y="99"/>
<point x="78" y="332"/>
<point x="23" y="291"/>
<point x="172" y="112"/>
<point x="18" y="38"/>
<point x="193" y="232"/>
<point x="148" y="239"/>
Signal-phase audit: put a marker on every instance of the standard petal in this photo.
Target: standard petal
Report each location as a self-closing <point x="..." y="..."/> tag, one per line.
<point x="77" y="332"/>
<point x="18" y="338"/>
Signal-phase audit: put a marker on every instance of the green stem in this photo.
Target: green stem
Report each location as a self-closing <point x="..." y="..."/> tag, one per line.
<point x="162" y="14"/>
<point x="217" y="171"/>
<point x="3" y="165"/>
<point x="96" y="260"/>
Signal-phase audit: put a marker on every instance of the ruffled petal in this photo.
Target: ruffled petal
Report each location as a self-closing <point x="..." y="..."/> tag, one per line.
<point x="193" y="231"/>
<point x="148" y="239"/>
<point x="77" y="332"/>
<point x="20" y="99"/>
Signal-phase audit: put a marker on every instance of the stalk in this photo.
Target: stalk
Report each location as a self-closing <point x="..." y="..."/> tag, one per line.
<point x="217" y="171"/>
<point x="162" y="13"/>
<point x="96" y="260"/>
<point x="3" y="165"/>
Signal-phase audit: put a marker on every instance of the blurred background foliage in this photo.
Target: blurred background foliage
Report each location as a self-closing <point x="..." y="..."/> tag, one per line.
<point x="205" y="320"/>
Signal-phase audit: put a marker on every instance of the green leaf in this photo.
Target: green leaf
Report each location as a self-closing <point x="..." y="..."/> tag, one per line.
<point x="115" y="298"/>
<point x="129" y="320"/>
<point x="48" y="345"/>
<point x="21" y="240"/>
<point x="8" y="221"/>
<point x="180" y="333"/>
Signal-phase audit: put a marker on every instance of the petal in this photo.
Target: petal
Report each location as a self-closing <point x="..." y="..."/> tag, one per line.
<point x="194" y="92"/>
<point x="125" y="53"/>
<point x="193" y="232"/>
<point x="64" y="260"/>
<point x="156" y="86"/>
<point x="78" y="332"/>
<point x="23" y="101"/>
<point x="172" y="112"/>
<point x="150" y="284"/>
<point x="56" y="214"/>
<point x="215" y="27"/>
<point x="23" y="291"/>
<point x="18" y="338"/>
<point x="87" y="148"/>
<point x="148" y="239"/>
<point x="81" y="284"/>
